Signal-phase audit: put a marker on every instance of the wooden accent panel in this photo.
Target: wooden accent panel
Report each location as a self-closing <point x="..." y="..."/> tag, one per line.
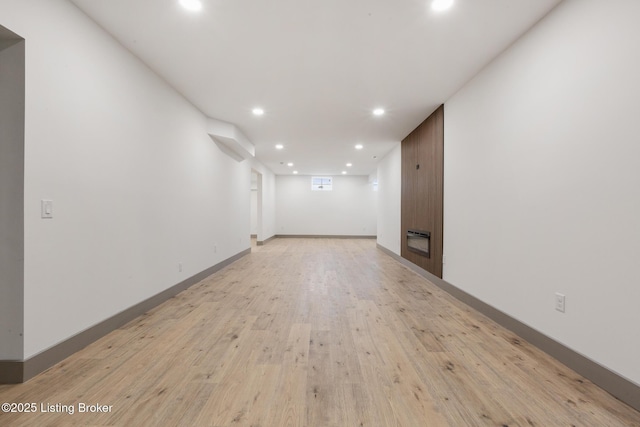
<point x="422" y="189"/>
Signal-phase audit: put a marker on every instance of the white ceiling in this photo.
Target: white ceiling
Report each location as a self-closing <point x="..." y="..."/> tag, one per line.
<point x="318" y="68"/>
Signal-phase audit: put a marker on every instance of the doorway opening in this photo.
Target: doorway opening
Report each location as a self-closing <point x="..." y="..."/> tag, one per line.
<point x="256" y="208"/>
<point x="12" y="106"/>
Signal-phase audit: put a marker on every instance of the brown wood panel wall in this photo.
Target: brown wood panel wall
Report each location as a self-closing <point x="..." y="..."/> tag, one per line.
<point x="422" y="189"/>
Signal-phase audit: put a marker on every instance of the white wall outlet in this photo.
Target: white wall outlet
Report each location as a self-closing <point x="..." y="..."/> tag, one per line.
<point x="215" y="249"/>
<point x="46" y="208"/>
<point x="180" y="267"/>
<point x="444" y="259"/>
<point x="560" y="302"/>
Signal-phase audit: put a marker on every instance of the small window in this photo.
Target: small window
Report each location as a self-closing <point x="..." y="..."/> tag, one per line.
<point x="322" y="183"/>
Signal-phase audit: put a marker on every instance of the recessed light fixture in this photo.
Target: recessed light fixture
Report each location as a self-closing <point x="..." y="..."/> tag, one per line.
<point x="344" y="172"/>
<point x="349" y="165"/>
<point x="279" y="146"/>
<point x="257" y="111"/>
<point x="359" y="146"/>
<point x="192" y="5"/>
<point x="440" y="5"/>
<point x="378" y="111"/>
<point x="295" y="172"/>
<point x="289" y="164"/>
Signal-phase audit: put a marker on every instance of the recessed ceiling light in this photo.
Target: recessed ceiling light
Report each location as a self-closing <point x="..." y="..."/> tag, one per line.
<point x="295" y="172"/>
<point x="359" y="146"/>
<point x="279" y="146"/>
<point x="192" y="5"/>
<point x="258" y="111"/>
<point x="344" y="172"/>
<point x="289" y="164"/>
<point x="440" y="5"/>
<point x="349" y="165"/>
<point x="378" y="111"/>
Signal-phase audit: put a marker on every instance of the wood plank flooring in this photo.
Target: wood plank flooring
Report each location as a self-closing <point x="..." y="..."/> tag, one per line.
<point x="315" y="332"/>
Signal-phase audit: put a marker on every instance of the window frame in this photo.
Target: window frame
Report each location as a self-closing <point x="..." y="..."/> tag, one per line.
<point x="325" y="184"/>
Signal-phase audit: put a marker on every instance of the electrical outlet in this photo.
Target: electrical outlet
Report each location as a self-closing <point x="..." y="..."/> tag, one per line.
<point x="560" y="302"/>
<point x="444" y="259"/>
<point x="215" y="248"/>
<point x="180" y="267"/>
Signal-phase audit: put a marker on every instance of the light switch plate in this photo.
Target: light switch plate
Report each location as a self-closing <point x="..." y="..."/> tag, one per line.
<point x="46" y="208"/>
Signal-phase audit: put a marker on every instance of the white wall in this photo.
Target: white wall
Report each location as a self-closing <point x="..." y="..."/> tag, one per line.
<point x="389" y="199"/>
<point x="348" y="210"/>
<point x="138" y="186"/>
<point x="12" y="87"/>
<point x="542" y="184"/>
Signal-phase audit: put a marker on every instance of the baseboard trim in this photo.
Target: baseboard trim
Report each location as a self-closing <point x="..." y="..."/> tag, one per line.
<point x="321" y="236"/>
<point x="618" y="386"/>
<point x="11" y="371"/>
<point x="14" y="372"/>
<point x="262" y="242"/>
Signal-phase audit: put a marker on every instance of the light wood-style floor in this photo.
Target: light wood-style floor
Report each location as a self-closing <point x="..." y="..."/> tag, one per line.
<point x="316" y="332"/>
